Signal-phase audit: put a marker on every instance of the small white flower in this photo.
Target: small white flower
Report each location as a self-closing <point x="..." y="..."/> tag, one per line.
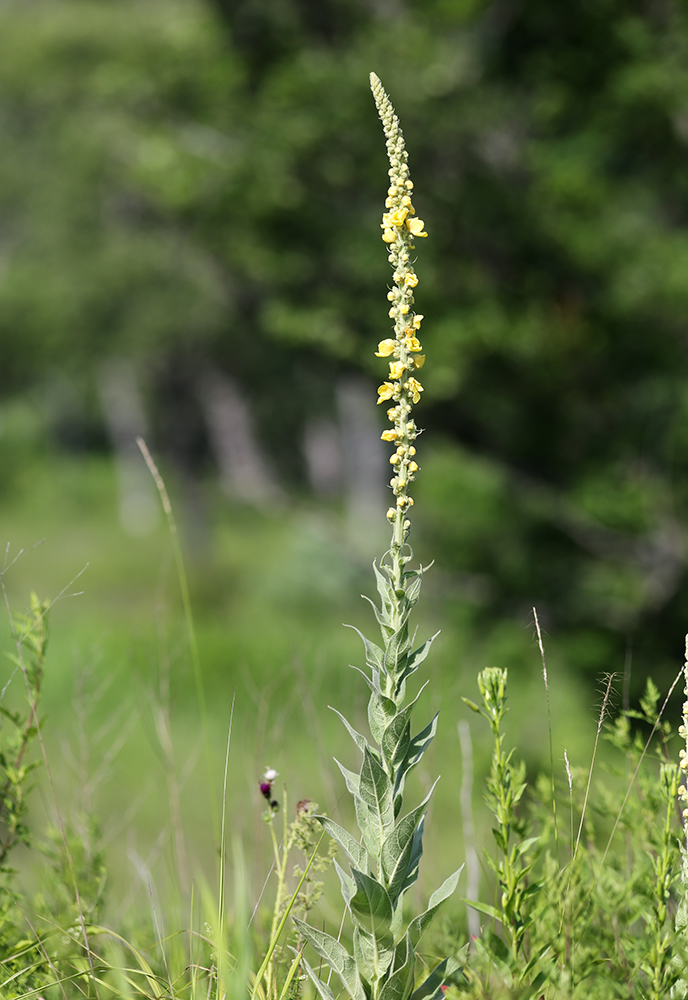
<point x="270" y="774"/>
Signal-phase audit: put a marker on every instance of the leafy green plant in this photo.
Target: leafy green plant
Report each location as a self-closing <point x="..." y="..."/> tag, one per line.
<point x="384" y="863"/>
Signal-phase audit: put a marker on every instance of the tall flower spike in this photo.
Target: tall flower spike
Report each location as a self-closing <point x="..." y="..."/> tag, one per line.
<point x="384" y="862"/>
<point x="400" y="226"/>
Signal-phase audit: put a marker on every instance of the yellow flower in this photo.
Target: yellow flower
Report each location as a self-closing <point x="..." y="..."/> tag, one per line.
<point x="394" y="460"/>
<point x="390" y="435"/>
<point x="397" y="218"/>
<point x="391" y="514"/>
<point x="386" y="391"/>
<point x="411" y="279"/>
<point x="385" y="348"/>
<point x="414" y="388"/>
<point x="412" y="344"/>
<point x="416" y="227"/>
<point x="396" y="369"/>
<point x="389" y="236"/>
<point x="413" y="467"/>
<point x="419" y="361"/>
<point x="392" y="413"/>
<point x="417" y="321"/>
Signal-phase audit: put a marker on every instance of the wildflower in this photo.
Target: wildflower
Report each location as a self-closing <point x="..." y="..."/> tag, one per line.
<point x="266" y="787"/>
<point x="414" y="388"/>
<point x="385" y="348"/>
<point x="412" y="344"/>
<point x="417" y="321"/>
<point x="396" y="369"/>
<point x="419" y="361"/>
<point x="386" y="391"/>
<point x="389" y="236"/>
<point x="416" y="227"/>
<point x="390" y="435"/>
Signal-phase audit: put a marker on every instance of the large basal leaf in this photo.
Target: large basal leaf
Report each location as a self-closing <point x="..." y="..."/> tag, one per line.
<point x="356" y="852"/>
<point x="398" y="848"/>
<point x="336" y="956"/>
<point x="376" y="792"/>
<point x="420" y="924"/>
<point x="371" y="906"/>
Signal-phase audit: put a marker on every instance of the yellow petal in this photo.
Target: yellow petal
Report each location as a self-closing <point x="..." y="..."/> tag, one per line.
<point x="385" y="348"/>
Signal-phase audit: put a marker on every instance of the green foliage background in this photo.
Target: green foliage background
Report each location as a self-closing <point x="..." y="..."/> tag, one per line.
<point x="195" y="184"/>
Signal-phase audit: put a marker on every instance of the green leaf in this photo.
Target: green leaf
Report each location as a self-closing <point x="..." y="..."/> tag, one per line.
<point x="396" y="651"/>
<point x="355" y="851"/>
<point x="489" y="911"/>
<point x="398" y="847"/>
<point x="431" y="989"/>
<point x="420" y="924"/>
<point x="353" y="781"/>
<point x="376" y="792"/>
<point x="323" y="989"/>
<point x="417" y="657"/>
<point x="416" y="854"/>
<point x="400" y="984"/>
<point x="396" y="740"/>
<point x="347" y="883"/>
<point x="472" y="705"/>
<point x="371" y="906"/>
<point x="373" y="955"/>
<point x="374" y="655"/>
<point x="358" y="739"/>
<point x="381" y="711"/>
<point x="336" y="956"/>
<point x="384" y="586"/>
<point x="417" y="747"/>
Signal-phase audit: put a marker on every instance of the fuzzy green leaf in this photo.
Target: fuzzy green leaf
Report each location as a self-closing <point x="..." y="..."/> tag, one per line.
<point x="336" y="956"/>
<point x="416" y="854"/>
<point x="417" y="747"/>
<point x="374" y="655"/>
<point x="347" y="883"/>
<point x="358" y="739"/>
<point x="396" y="651"/>
<point x="371" y="907"/>
<point x="384" y="586"/>
<point x="353" y="781"/>
<point x="381" y="711"/>
<point x="420" y="924"/>
<point x="398" y="848"/>
<point x="355" y="851"/>
<point x="417" y="657"/>
<point x="376" y="792"/>
<point x="323" y="989"/>
<point x="400" y="984"/>
<point x="373" y="955"/>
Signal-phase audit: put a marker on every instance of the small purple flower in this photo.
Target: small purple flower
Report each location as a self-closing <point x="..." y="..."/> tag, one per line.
<point x="266" y="787"/>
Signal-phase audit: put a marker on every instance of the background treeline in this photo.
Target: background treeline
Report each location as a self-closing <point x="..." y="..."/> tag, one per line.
<point x="190" y="196"/>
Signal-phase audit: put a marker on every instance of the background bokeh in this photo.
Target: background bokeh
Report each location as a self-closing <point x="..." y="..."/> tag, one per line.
<point x="190" y="195"/>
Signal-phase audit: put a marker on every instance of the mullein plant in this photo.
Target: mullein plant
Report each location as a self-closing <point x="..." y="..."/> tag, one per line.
<point x="384" y="862"/>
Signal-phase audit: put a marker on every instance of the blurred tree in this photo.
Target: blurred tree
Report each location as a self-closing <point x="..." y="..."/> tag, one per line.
<point x="198" y="186"/>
